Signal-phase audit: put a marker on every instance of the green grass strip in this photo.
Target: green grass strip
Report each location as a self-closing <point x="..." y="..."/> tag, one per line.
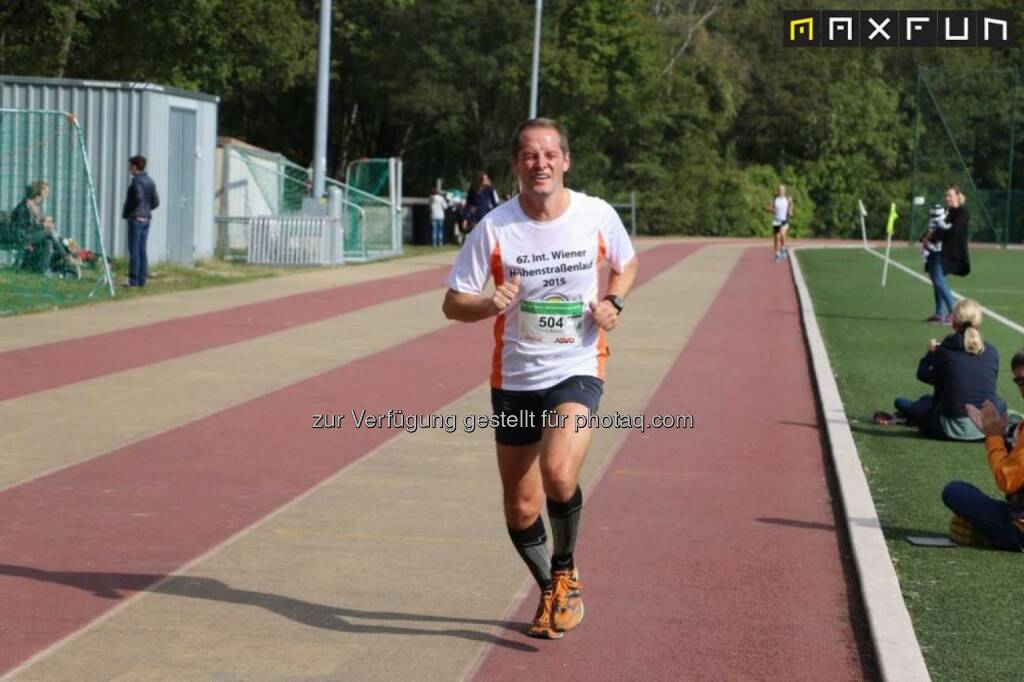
<point x="965" y="603"/>
<point x="25" y="292"/>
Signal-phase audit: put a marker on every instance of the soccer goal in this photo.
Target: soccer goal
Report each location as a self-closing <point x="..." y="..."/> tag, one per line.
<point x="51" y="247"/>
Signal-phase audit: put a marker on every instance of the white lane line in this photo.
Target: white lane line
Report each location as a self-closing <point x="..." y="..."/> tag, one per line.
<point x="991" y="313"/>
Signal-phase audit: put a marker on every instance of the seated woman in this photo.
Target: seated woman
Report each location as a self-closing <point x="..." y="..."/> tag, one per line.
<point x="963" y="370"/>
<point x="27" y="226"/>
<point x="979" y="519"/>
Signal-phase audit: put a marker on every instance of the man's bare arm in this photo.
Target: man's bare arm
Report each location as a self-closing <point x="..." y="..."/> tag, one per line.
<point x="620" y="283"/>
<point x="464" y="307"/>
<point x="605" y="314"/>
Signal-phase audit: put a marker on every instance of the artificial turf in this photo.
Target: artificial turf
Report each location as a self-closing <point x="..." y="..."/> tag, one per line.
<point x="993" y="279"/>
<point x="965" y="603"/>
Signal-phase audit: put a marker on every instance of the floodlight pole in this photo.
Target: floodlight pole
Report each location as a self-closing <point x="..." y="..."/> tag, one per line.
<point x="536" y="58"/>
<point x="1009" y="175"/>
<point x="913" y="162"/>
<point x="323" y="74"/>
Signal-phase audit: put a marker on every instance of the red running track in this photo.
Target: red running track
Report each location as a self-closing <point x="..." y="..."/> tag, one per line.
<point x="711" y="553"/>
<point x="28" y="370"/>
<point x="76" y="541"/>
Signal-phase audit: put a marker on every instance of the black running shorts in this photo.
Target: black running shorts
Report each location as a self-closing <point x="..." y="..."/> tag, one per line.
<point x="585" y="390"/>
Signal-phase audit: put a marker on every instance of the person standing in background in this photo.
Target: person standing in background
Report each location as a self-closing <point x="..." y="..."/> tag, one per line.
<point x="481" y="199"/>
<point x="949" y="255"/>
<point x="437" y="206"/>
<point x="142" y="198"/>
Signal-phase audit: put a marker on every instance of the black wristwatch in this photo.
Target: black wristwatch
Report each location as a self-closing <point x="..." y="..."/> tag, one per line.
<point x="616" y="301"/>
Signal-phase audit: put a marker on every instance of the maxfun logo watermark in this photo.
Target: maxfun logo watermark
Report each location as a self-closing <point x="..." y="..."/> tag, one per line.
<point x="898" y="28"/>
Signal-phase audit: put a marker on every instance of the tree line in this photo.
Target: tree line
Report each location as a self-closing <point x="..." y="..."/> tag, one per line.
<point x="695" y="104"/>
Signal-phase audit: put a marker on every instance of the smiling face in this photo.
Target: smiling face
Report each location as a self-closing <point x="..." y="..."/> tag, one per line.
<point x="540" y="163"/>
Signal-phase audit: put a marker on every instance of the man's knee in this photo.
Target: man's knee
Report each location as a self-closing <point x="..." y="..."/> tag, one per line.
<point x="559" y="472"/>
<point x="954" y="493"/>
<point x="521" y="510"/>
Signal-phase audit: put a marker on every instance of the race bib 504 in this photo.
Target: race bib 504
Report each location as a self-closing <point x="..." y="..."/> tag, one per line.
<point x="555" y="323"/>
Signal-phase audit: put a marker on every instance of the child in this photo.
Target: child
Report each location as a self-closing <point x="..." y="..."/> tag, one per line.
<point x="929" y="244"/>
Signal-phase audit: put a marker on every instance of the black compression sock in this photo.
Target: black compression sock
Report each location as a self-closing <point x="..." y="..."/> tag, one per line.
<point x="565" y="522"/>
<point x="531" y="543"/>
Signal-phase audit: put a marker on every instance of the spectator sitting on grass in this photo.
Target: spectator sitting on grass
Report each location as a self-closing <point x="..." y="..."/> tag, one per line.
<point x="977" y="518"/>
<point x="963" y="369"/>
<point x="27" y="225"/>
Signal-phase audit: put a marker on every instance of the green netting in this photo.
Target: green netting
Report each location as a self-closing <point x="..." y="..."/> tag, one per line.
<point x="964" y="134"/>
<point x="51" y="250"/>
<point x="368" y="182"/>
<point x="260" y="183"/>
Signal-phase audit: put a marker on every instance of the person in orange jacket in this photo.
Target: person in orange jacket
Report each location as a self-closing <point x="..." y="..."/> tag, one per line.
<point x="978" y="518"/>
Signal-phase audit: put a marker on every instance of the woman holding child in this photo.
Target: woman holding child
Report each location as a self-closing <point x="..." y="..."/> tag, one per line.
<point x="946" y="245"/>
<point x="963" y="368"/>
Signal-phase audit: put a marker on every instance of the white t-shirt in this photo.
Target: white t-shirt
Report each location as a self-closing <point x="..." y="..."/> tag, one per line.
<point x="437" y="206"/>
<point x="548" y="334"/>
<point x="781" y="205"/>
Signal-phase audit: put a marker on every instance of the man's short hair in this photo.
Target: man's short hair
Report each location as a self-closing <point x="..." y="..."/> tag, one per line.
<point x="1017" y="360"/>
<point x="138" y="161"/>
<point x="563" y="138"/>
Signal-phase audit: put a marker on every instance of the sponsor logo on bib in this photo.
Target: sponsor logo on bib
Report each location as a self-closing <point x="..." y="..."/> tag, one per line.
<point x="553" y="321"/>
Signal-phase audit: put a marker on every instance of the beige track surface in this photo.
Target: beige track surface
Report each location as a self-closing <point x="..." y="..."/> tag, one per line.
<point x="398" y="567"/>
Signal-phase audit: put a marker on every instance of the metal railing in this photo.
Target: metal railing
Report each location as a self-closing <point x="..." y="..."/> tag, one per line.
<point x="277" y="240"/>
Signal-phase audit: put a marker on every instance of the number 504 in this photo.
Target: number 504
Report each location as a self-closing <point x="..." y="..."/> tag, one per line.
<point x="552" y="322"/>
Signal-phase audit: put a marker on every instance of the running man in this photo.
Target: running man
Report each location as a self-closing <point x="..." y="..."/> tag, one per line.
<point x="543" y="249"/>
<point x="781" y="207"/>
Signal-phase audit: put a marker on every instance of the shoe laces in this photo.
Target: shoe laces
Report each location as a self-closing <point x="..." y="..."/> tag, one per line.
<point x="566" y="582"/>
<point x="543" y="616"/>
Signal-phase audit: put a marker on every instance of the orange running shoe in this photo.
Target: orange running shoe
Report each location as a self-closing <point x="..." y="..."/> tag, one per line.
<point x="541" y="626"/>
<point x="567" y="607"/>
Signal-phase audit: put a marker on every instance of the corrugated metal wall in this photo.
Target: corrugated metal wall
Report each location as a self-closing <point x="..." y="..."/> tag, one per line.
<point x="181" y="183"/>
<point x="120" y="120"/>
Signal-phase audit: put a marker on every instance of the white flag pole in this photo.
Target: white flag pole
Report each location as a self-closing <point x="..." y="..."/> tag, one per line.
<point x="885" y="269"/>
<point x="863" y="229"/>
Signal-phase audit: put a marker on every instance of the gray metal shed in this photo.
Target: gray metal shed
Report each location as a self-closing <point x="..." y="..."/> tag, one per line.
<point x="175" y="130"/>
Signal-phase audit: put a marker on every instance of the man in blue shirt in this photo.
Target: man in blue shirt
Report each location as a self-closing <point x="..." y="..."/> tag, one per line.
<point x="138" y="210"/>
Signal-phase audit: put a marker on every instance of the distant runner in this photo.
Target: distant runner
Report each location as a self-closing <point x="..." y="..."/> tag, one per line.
<point x="781" y="208"/>
<point x="543" y="249"/>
